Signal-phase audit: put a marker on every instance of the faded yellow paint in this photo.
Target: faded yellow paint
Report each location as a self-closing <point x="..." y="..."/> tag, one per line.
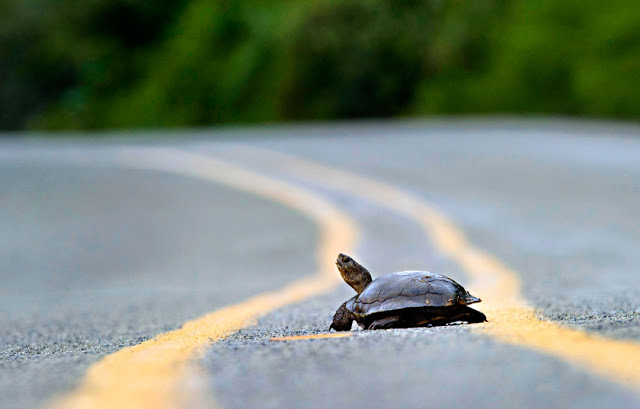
<point x="512" y="320"/>
<point x="157" y="373"/>
<point x="315" y="336"/>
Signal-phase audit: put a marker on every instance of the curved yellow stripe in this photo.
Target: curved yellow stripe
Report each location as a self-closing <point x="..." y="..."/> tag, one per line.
<point x="511" y="319"/>
<point x="155" y="374"/>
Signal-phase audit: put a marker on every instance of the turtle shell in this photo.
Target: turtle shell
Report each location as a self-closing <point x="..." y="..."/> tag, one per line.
<point x="409" y="289"/>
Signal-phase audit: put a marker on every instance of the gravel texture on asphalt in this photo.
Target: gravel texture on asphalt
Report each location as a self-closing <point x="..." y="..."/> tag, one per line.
<point x="96" y="258"/>
<point x="405" y="368"/>
<point x="414" y="368"/>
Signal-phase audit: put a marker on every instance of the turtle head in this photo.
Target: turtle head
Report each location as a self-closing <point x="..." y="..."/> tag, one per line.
<point x="353" y="273"/>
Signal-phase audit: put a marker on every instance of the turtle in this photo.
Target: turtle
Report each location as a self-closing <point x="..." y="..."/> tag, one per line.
<point x="401" y="300"/>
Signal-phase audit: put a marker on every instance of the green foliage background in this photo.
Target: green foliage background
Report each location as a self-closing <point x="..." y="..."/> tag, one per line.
<point x="134" y="63"/>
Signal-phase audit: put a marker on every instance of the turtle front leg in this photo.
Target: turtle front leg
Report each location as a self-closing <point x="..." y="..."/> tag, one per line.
<point x="392" y="321"/>
<point x="342" y="319"/>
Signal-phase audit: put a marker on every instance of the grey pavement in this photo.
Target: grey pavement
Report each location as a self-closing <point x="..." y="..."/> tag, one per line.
<point x="438" y="367"/>
<point x="560" y="205"/>
<point x="96" y="259"/>
<point x="101" y="257"/>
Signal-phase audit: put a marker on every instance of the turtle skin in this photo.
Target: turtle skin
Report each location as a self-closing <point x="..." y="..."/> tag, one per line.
<point x="412" y="299"/>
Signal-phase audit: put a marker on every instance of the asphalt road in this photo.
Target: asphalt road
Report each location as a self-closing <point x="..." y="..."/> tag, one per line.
<point x="95" y="256"/>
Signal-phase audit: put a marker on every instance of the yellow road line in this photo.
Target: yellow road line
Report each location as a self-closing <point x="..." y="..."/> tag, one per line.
<point x="153" y="373"/>
<point x="315" y="336"/>
<point x="511" y="319"/>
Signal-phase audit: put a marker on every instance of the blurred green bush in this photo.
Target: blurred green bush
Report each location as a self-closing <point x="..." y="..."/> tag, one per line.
<point x="131" y="63"/>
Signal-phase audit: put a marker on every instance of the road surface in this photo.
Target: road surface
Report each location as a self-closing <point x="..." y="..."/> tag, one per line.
<point x="113" y="241"/>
